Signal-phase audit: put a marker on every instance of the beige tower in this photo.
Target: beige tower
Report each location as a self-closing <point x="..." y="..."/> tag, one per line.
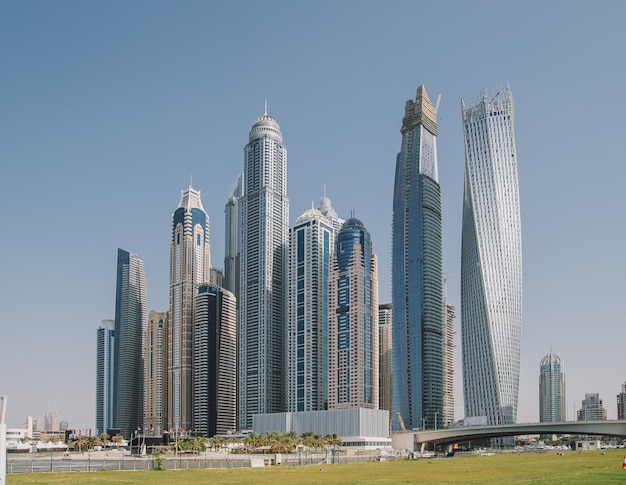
<point x="155" y="374"/>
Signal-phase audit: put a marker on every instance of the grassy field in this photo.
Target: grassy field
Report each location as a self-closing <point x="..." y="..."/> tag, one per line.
<point x="587" y="467"/>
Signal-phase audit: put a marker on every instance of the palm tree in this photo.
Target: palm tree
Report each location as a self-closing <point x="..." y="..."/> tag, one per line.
<point x="104" y="437"/>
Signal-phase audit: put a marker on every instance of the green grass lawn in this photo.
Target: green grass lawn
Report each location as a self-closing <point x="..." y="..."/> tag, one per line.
<point x="589" y="467"/>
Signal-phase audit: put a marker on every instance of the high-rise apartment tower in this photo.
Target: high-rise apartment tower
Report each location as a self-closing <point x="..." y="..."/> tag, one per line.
<point x="384" y="356"/>
<point x="311" y="242"/>
<point x="215" y="361"/>
<point x="353" y="321"/>
<point x="621" y="403"/>
<point x="189" y="267"/>
<point x="130" y="324"/>
<point x="264" y="228"/>
<point x="552" y="400"/>
<point x="491" y="261"/>
<point x="155" y="374"/>
<point x="104" y="375"/>
<point x="417" y="271"/>
<point x="592" y="409"/>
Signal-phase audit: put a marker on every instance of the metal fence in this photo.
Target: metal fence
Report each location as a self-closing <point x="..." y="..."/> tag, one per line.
<point x="55" y="463"/>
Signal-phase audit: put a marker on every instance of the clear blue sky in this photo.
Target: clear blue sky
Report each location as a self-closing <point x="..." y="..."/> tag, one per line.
<point x="108" y="108"/>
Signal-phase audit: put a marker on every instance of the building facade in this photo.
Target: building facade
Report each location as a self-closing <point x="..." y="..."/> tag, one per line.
<point x="231" y="237"/>
<point x="189" y="267"/>
<point x="104" y="375"/>
<point x="155" y="374"/>
<point x="130" y="324"/>
<point x="491" y="261"/>
<point x="417" y="271"/>
<point x="215" y="361"/>
<point x="552" y="398"/>
<point x="353" y="321"/>
<point x="384" y="356"/>
<point x="264" y="229"/>
<point x="591" y="409"/>
<point x="311" y="242"/>
<point x="448" y="364"/>
<point x="621" y="403"/>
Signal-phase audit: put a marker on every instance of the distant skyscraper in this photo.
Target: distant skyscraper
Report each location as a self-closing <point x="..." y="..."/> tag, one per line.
<point x="130" y="323"/>
<point x="52" y="422"/>
<point x="552" y="401"/>
<point x="155" y="374"/>
<point x="417" y="271"/>
<point x="592" y="409"/>
<point x="311" y="242"/>
<point x="353" y="321"/>
<point x="231" y="242"/>
<point x="264" y="224"/>
<point x="215" y="361"/>
<point x="104" y="375"/>
<point x="491" y="261"/>
<point x="384" y="356"/>
<point x="621" y="403"/>
<point x="189" y="267"/>
<point x="448" y="364"/>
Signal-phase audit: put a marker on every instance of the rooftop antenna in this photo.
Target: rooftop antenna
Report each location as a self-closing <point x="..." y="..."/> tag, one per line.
<point x="265" y="113"/>
<point x="438" y="101"/>
<point x="324" y="190"/>
<point x="190" y="180"/>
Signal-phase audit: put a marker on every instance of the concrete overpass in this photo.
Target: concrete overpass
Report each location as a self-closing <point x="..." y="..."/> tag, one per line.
<point x="418" y="439"/>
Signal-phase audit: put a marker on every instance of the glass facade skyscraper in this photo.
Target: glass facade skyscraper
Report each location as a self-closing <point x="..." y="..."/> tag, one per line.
<point x="552" y="402"/>
<point x="189" y="267"/>
<point x="130" y="323"/>
<point x="214" y="362"/>
<point x="491" y="261"/>
<point x="264" y="229"/>
<point x="231" y="237"/>
<point x="417" y="272"/>
<point x="353" y="320"/>
<point x="311" y="242"/>
<point x="104" y="375"/>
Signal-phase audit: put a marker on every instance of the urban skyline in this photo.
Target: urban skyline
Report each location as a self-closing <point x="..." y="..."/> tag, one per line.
<point x="111" y="127"/>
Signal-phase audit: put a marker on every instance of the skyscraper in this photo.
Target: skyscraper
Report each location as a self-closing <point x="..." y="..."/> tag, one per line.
<point x="104" y="375"/>
<point x="231" y="240"/>
<point x="448" y="364"/>
<point x="491" y="261"/>
<point x="155" y="374"/>
<point x="552" y="401"/>
<point x="311" y="242"/>
<point x="215" y="361"/>
<point x="353" y="321"/>
<point x="592" y="409"/>
<point x="189" y="267"/>
<point x="130" y="324"/>
<point x="384" y="356"/>
<point x="417" y="271"/>
<point x="264" y="227"/>
<point x="621" y="403"/>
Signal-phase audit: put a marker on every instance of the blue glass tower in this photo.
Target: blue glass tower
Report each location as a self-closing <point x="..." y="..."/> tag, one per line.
<point x="417" y="274"/>
<point x="130" y="320"/>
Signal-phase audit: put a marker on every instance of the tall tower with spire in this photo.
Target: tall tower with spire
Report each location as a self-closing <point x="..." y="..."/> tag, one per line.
<point x="264" y="226"/>
<point x="189" y="267"/>
<point x="417" y="272"/>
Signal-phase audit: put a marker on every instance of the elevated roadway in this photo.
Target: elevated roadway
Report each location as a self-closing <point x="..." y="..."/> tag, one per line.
<point x="418" y="439"/>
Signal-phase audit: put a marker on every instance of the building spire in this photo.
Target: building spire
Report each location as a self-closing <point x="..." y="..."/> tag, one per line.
<point x="265" y="112"/>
